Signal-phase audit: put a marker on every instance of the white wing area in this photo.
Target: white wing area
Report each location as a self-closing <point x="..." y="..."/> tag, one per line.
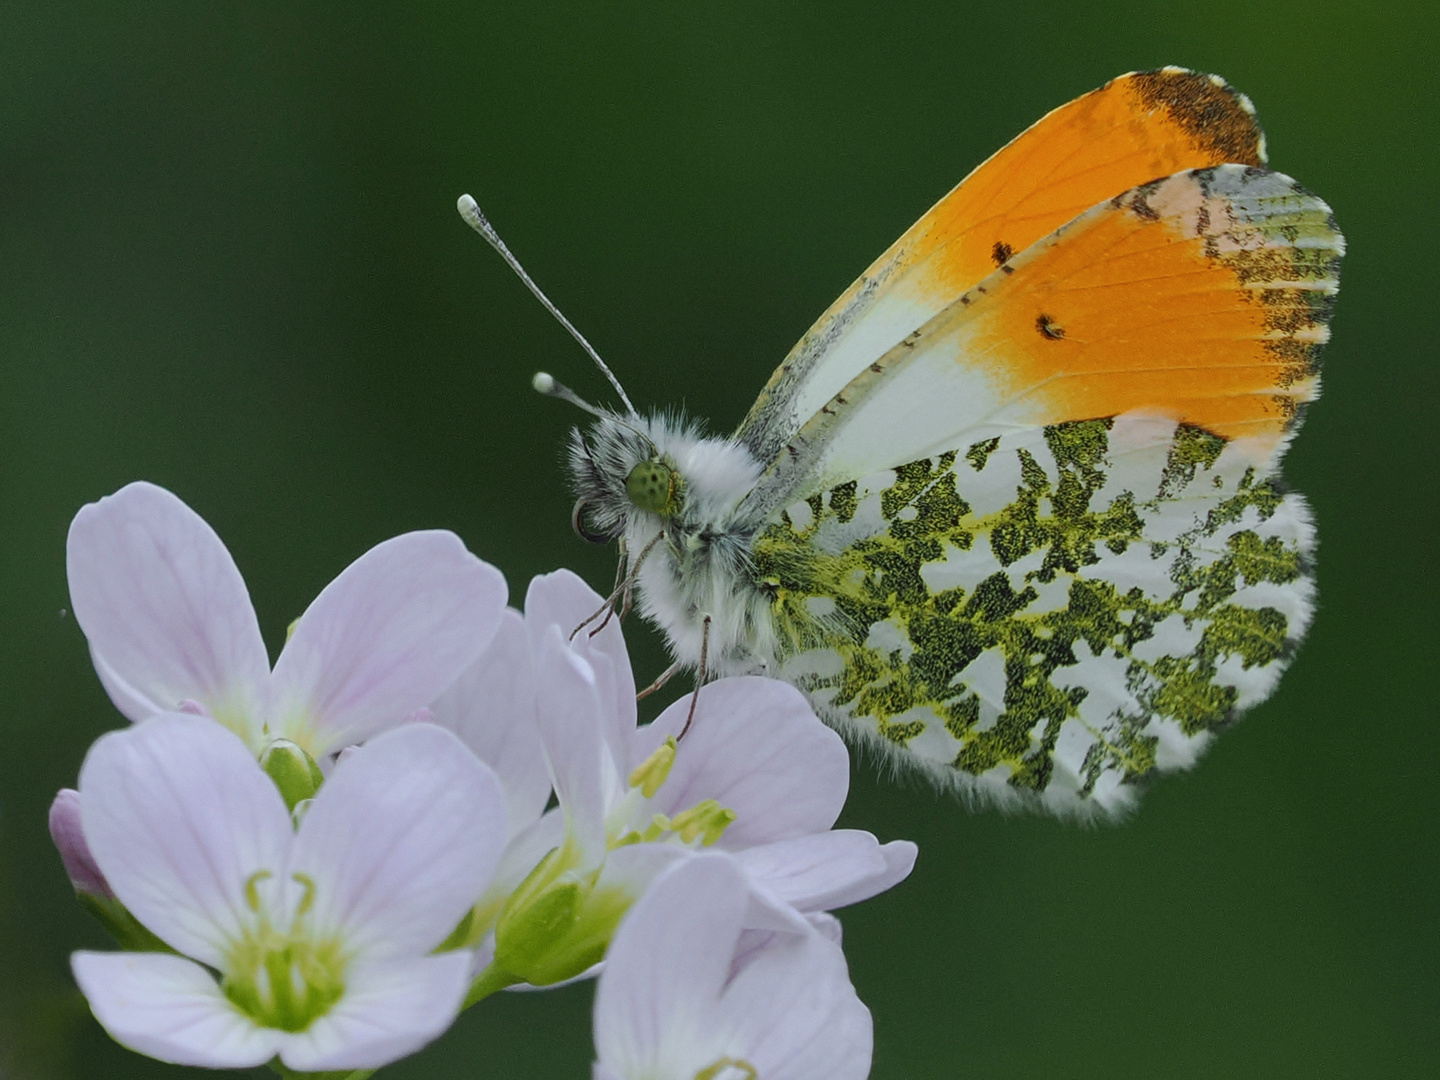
<point x="1050" y="617"/>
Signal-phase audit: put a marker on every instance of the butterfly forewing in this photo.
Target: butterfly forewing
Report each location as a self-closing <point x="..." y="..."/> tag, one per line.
<point x="1132" y="130"/>
<point x="1049" y="616"/>
<point x="1204" y="297"/>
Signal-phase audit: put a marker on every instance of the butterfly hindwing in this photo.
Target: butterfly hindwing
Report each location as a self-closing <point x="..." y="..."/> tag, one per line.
<point x="1131" y="130"/>
<point x="1046" y="617"/>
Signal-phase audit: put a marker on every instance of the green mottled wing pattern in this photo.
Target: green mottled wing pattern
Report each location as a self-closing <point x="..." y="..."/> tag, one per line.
<point x="1049" y="617"/>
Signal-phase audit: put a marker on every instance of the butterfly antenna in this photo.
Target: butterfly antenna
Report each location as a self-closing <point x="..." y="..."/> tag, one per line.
<point x="470" y="211"/>
<point x="545" y="383"/>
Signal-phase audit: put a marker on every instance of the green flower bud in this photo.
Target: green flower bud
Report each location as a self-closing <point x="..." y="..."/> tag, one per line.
<point x="293" y="770"/>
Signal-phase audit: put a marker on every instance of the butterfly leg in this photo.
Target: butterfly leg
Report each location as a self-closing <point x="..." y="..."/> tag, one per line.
<point x="622" y="589"/>
<point x="665" y="677"/>
<point x="699" y="676"/>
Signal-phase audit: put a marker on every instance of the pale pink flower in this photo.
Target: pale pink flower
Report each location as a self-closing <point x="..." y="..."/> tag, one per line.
<point x="680" y="999"/>
<point x="171" y="627"/>
<point x="314" y="944"/>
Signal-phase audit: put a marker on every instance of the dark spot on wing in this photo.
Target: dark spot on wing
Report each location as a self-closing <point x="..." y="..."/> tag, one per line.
<point x="1049" y="328"/>
<point x="1001" y="252"/>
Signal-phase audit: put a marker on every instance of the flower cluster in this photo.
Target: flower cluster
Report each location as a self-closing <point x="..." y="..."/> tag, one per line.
<point x="431" y="797"/>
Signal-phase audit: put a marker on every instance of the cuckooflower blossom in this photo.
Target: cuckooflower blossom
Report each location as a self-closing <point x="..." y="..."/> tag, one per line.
<point x="171" y="627"/>
<point x="493" y="707"/>
<point x="757" y="774"/>
<point x="677" y="1002"/>
<point x="321" y="936"/>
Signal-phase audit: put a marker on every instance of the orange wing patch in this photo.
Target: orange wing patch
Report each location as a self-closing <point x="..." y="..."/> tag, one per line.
<point x="1205" y="296"/>
<point x="1133" y="129"/>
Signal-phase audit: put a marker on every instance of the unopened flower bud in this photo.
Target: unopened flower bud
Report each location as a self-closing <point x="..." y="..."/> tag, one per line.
<point x="293" y="770"/>
<point x="91" y="888"/>
<point x="69" y="837"/>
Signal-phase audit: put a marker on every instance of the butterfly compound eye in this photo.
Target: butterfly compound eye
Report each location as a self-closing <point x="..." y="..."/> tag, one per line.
<point x="577" y="522"/>
<point x="651" y="486"/>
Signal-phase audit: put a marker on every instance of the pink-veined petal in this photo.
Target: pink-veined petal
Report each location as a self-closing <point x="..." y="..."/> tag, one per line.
<point x="400" y="841"/>
<point x="561" y="599"/>
<point x="492" y="707"/>
<point x="390" y="1008"/>
<point x="757" y="748"/>
<point x="164" y="608"/>
<point x="793" y="1015"/>
<point x="581" y="768"/>
<point x="179" y="818"/>
<point x="665" y="970"/>
<point x="828" y="870"/>
<point x="170" y="1008"/>
<point x="385" y="638"/>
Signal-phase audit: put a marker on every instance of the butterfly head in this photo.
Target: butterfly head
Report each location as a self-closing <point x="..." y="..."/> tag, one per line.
<point x="618" y="471"/>
<point x="655" y="472"/>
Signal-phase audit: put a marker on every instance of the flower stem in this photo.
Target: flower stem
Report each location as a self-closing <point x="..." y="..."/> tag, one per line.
<point x="490" y="980"/>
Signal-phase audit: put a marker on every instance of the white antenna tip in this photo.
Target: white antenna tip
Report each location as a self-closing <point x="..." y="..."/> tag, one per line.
<point x="543" y="383"/>
<point x="470" y="211"/>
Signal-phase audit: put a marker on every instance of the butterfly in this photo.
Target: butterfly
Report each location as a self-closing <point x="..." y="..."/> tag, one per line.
<point x="1010" y="512"/>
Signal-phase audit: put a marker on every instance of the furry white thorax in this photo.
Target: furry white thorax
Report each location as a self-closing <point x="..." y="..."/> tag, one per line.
<point x="701" y="567"/>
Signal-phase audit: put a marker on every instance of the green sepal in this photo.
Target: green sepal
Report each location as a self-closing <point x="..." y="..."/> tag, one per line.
<point x="584" y="943"/>
<point x="527" y="937"/>
<point x="127" y="930"/>
<point x="556" y="924"/>
<point x="460" y="936"/>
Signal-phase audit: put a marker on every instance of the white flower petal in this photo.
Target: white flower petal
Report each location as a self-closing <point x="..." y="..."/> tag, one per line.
<point x="753" y="941"/>
<point x="179" y="817"/>
<point x="667" y="964"/>
<point x="170" y="1008"/>
<point x="827" y="926"/>
<point x="758" y="748"/>
<point x="385" y="638"/>
<point x="400" y="841"/>
<point x="634" y="868"/>
<point x="390" y="1008"/>
<point x="581" y="768"/>
<point x="828" y="870"/>
<point x="492" y="708"/>
<point x="794" y="1013"/>
<point x="561" y="599"/>
<point x="164" y="608"/>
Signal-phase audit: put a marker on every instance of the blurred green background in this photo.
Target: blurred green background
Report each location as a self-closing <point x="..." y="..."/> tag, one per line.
<point x="230" y="263"/>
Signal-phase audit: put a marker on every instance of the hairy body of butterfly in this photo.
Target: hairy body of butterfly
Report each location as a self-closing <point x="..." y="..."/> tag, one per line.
<point x="1010" y="511"/>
